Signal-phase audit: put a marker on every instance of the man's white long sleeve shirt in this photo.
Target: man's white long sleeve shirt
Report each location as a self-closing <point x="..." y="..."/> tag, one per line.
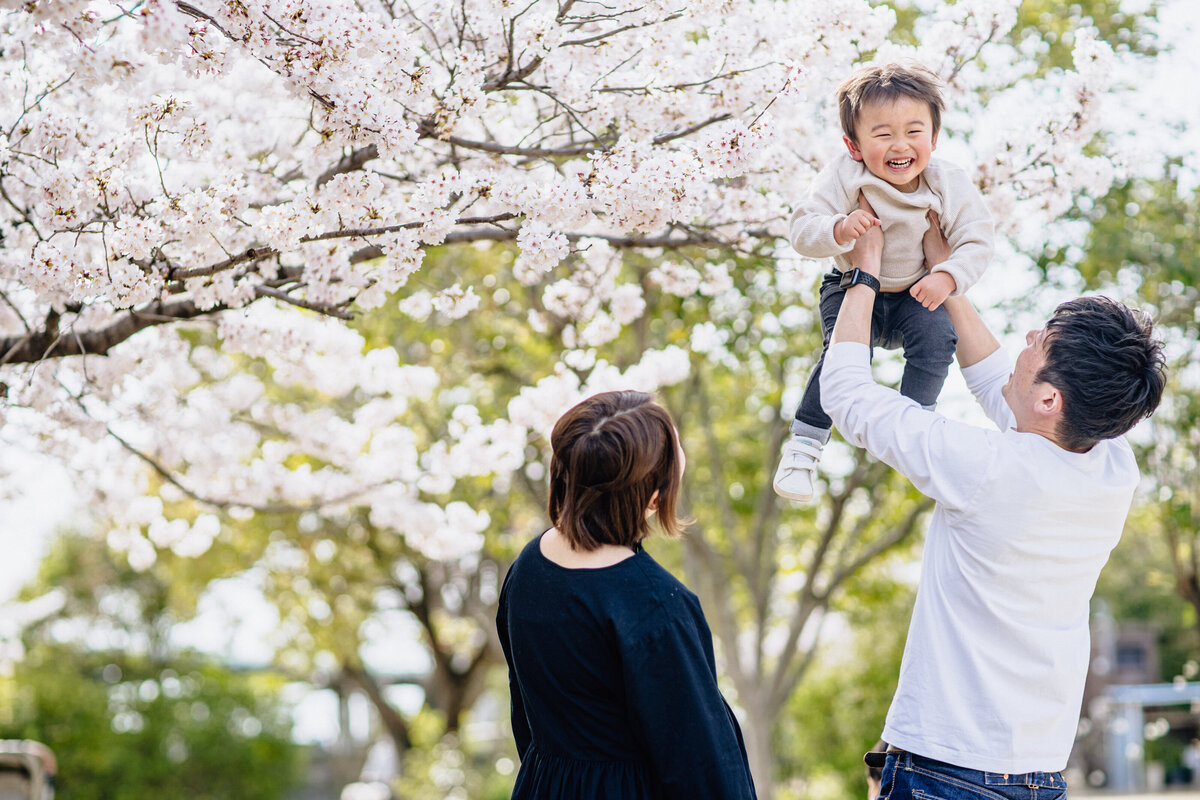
<point x="997" y="652"/>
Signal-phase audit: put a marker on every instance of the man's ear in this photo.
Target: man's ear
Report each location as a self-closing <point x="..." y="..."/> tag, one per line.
<point x="1049" y="400"/>
<point x="933" y="141"/>
<point x="855" y="153"/>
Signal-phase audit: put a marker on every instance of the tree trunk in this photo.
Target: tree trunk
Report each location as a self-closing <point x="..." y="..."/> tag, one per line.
<point x="756" y="729"/>
<point x="393" y="723"/>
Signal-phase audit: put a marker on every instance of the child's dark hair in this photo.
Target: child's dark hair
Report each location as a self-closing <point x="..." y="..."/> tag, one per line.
<point x="611" y="453"/>
<point x="886" y="84"/>
<point x="1111" y="370"/>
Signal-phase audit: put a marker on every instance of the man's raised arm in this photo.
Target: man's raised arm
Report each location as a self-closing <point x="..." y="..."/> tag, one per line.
<point x="854" y="319"/>
<point x="975" y="340"/>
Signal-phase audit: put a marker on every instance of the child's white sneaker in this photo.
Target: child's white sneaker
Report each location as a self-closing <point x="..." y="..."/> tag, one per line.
<point x="797" y="469"/>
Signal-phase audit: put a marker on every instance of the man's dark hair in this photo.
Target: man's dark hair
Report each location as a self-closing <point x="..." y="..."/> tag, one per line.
<point x="610" y="454"/>
<point x="884" y="85"/>
<point x="1111" y="370"/>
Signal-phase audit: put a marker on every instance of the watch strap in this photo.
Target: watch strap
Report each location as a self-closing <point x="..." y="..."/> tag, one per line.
<point x="856" y="276"/>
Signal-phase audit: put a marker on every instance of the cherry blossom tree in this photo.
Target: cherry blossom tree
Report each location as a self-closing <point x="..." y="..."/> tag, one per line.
<point x="254" y="256"/>
<point x="167" y="162"/>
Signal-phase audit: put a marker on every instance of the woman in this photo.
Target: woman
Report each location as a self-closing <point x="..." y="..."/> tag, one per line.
<point x="614" y="689"/>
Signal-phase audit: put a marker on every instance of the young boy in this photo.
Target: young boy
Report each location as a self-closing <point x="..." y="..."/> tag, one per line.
<point x="890" y="117"/>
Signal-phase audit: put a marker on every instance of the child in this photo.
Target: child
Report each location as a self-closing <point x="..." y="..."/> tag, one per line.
<point x="890" y="117"/>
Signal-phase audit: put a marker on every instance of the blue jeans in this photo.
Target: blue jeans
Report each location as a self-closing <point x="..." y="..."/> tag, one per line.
<point x="898" y="320"/>
<point x="906" y="775"/>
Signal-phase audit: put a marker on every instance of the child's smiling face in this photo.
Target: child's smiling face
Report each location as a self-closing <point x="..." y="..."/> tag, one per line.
<point x="895" y="141"/>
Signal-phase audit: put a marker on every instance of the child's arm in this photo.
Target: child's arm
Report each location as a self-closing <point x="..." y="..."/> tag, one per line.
<point x="820" y="226"/>
<point x="968" y="228"/>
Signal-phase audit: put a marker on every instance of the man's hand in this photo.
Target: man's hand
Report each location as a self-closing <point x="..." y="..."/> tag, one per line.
<point x="933" y="289"/>
<point x="854" y="318"/>
<point x="867" y="254"/>
<point x="854" y="225"/>
<point x="937" y="249"/>
<point x="975" y="341"/>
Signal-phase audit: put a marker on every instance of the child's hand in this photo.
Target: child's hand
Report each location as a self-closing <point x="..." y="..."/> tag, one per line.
<point x="853" y="226"/>
<point x="934" y="288"/>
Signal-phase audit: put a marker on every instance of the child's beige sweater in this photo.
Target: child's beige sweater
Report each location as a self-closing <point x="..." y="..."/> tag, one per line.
<point x="944" y="188"/>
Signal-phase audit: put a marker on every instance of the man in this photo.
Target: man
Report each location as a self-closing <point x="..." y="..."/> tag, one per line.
<point x="992" y="676"/>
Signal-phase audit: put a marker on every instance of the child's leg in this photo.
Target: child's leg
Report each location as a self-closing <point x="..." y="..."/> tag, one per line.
<point x="929" y="339"/>
<point x="795" y="477"/>
<point x="810" y="420"/>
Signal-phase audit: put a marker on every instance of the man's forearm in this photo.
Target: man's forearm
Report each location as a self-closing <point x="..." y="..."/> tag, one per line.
<point x="854" y="319"/>
<point x="975" y="340"/>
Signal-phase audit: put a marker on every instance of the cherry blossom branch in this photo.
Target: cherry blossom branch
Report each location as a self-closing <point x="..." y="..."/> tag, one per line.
<point x="960" y="63"/>
<point x="266" y="291"/>
<point x="38" y="345"/>
<point x="35" y="346"/>
<point x="349" y="163"/>
<point x="227" y="504"/>
<point x="8" y="302"/>
<point x="193" y="11"/>
<point x="608" y="34"/>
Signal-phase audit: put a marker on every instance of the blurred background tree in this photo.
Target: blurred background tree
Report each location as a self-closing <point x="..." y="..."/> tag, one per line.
<point x="129" y="716"/>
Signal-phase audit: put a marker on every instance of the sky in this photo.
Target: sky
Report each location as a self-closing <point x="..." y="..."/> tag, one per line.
<point x="41" y="501"/>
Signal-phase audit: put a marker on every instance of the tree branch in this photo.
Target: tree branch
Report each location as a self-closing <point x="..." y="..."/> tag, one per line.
<point x="37" y="345"/>
<point x="267" y="291"/>
<point x="225" y="505"/>
<point x="397" y="728"/>
<point x="34" y="346"/>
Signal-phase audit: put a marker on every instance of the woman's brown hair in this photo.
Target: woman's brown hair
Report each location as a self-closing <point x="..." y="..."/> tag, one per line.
<point x="611" y="453"/>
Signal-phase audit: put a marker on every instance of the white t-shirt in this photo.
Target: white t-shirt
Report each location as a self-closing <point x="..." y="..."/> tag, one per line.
<point x="997" y="652"/>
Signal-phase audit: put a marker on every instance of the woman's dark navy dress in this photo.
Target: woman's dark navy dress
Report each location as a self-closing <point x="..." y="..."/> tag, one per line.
<point x="614" y="688"/>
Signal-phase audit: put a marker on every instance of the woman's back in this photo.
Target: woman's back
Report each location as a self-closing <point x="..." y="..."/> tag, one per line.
<point x="614" y="685"/>
<point x="610" y="662"/>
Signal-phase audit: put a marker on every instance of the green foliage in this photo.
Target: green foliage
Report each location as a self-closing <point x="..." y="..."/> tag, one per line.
<point x="1141" y="246"/>
<point x="124" y="728"/>
<point x="1045" y="28"/>
<point x="127" y="715"/>
<point x="837" y="713"/>
<point x="1142" y="234"/>
<point x="453" y="769"/>
<point x="1138" y="584"/>
<point x="1052" y="23"/>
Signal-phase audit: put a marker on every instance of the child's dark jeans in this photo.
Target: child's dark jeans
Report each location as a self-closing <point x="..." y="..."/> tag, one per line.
<point x="898" y="321"/>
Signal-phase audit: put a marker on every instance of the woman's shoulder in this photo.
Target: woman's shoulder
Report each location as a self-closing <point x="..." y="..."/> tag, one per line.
<point x="635" y="593"/>
<point x="524" y="567"/>
<point x="529" y="553"/>
<point x="663" y="598"/>
<point x="658" y="577"/>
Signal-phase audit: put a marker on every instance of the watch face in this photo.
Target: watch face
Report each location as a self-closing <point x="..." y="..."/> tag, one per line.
<point x="856" y="276"/>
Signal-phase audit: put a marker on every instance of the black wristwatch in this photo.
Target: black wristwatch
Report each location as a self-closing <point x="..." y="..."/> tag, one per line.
<point x="855" y="276"/>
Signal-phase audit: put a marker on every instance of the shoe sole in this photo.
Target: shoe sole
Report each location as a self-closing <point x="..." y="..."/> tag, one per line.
<point x="798" y="498"/>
